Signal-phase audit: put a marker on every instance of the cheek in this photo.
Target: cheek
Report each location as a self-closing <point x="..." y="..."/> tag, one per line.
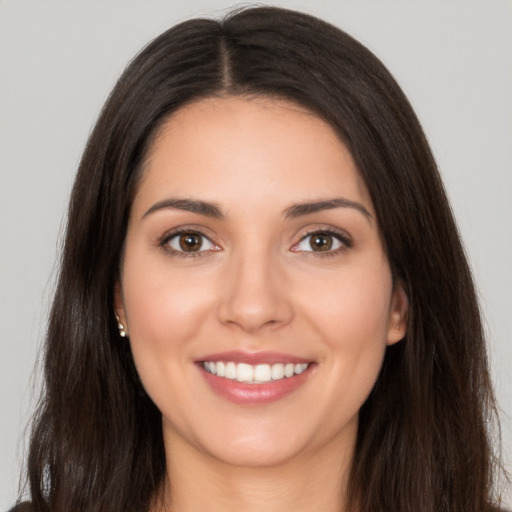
<point x="163" y="304"/>
<point x="165" y="313"/>
<point x="352" y="308"/>
<point x="350" y="316"/>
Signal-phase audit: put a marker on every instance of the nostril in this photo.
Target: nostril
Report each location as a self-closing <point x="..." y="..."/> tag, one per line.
<point x="252" y="295"/>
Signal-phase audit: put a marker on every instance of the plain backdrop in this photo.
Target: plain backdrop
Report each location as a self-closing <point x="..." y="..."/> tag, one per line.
<point x="59" y="59"/>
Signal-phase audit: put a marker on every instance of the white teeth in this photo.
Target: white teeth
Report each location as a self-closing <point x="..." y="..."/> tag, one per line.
<point x="277" y="371"/>
<point x="299" y="368"/>
<point x="231" y="371"/>
<point x="257" y="374"/>
<point x="263" y="373"/>
<point x="244" y="372"/>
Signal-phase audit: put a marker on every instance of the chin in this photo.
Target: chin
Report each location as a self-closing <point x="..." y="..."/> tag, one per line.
<point x="243" y="443"/>
<point x="256" y="456"/>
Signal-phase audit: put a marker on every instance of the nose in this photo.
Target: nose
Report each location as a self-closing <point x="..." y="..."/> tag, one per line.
<point x="254" y="295"/>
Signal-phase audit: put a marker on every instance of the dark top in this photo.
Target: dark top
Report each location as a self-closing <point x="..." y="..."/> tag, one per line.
<point x="22" y="507"/>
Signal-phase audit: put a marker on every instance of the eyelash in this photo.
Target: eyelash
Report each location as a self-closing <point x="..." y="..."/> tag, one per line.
<point x="164" y="243"/>
<point x="345" y="241"/>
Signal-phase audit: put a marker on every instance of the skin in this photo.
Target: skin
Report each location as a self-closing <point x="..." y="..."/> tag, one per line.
<point x="256" y="284"/>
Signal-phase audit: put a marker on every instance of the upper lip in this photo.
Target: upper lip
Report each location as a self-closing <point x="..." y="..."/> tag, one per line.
<point x="253" y="358"/>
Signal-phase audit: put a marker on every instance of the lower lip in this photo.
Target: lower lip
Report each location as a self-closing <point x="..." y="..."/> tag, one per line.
<point x="255" y="394"/>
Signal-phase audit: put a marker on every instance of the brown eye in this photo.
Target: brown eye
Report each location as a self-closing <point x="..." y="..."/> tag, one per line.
<point x="190" y="242"/>
<point x="321" y="242"/>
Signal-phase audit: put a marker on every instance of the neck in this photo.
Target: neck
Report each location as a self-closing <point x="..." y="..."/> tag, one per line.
<point x="307" y="482"/>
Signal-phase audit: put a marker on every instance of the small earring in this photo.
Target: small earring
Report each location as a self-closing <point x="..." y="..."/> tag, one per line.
<point x="120" y="326"/>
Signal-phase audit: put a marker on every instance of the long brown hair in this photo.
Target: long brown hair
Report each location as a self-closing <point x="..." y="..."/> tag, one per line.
<point x="422" y="443"/>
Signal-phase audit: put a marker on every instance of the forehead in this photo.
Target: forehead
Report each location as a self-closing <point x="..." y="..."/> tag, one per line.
<point x="258" y="147"/>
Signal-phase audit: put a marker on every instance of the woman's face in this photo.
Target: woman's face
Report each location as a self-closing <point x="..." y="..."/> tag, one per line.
<point x="253" y="252"/>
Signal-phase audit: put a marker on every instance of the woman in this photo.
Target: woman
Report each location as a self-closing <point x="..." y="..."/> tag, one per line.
<point x="263" y="299"/>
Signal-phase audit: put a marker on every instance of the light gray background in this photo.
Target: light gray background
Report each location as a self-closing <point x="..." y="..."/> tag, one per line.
<point x="59" y="59"/>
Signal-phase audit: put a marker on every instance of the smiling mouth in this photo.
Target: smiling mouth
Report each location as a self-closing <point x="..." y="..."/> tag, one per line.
<point x="255" y="379"/>
<point x="254" y="374"/>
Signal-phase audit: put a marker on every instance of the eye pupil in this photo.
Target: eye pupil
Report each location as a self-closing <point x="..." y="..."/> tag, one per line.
<point x="321" y="242"/>
<point x="190" y="242"/>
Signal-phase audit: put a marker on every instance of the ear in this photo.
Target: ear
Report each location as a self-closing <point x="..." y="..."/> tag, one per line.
<point x="119" y="305"/>
<point x="398" y="314"/>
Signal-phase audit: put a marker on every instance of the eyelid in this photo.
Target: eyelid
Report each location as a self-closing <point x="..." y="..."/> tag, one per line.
<point x="164" y="240"/>
<point x="340" y="235"/>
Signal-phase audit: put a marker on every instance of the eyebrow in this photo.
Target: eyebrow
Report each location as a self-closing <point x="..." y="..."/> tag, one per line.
<point x="189" y="205"/>
<point x="297" y="210"/>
